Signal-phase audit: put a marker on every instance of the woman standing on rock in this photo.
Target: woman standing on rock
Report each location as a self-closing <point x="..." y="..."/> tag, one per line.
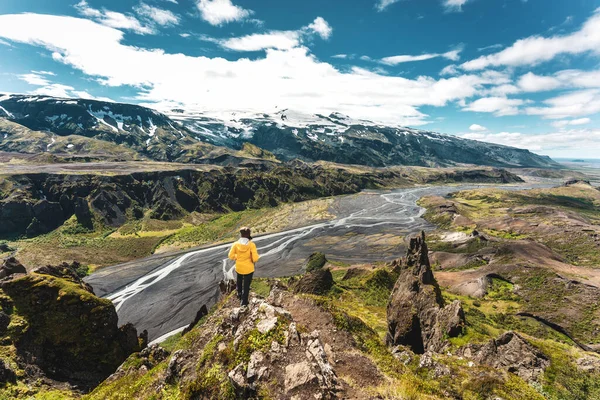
<point x="244" y="253"/>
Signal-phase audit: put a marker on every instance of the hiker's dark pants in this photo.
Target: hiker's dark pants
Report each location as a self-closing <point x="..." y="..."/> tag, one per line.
<point x="243" y="287"/>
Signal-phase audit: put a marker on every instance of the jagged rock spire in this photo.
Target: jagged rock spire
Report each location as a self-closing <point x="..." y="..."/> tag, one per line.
<point x="416" y="314"/>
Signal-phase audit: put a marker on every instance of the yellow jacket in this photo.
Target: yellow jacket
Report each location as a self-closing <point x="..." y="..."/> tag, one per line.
<point x="244" y="253"/>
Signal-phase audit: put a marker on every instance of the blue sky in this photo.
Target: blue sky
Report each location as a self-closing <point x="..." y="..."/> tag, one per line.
<point x="517" y="72"/>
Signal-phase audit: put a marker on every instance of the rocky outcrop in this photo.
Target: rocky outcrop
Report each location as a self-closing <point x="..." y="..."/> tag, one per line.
<point x="315" y="261"/>
<point x="65" y="271"/>
<point x="416" y="314"/>
<point x="60" y="330"/>
<point x="11" y="266"/>
<point x="319" y="281"/>
<point x="511" y="352"/>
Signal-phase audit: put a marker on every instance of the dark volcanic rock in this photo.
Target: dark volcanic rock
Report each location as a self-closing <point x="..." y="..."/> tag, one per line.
<point x="6" y="373"/>
<point x="511" y="352"/>
<point x="571" y="182"/>
<point x="11" y="266"/>
<point x="416" y="314"/>
<point x="319" y="281"/>
<point x="65" y="333"/>
<point x="65" y="271"/>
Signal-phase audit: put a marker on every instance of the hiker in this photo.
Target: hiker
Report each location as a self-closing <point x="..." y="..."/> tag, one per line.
<point x="244" y="253"/>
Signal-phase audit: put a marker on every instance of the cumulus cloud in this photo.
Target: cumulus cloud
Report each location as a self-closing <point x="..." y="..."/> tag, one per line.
<point x="280" y="40"/>
<point x="453" y="55"/>
<point x="585" y="142"/>
<point x="567" y="79"/>
<point x="477" y="128"/>
<point x="537" y="49"/>
<point x="292" y="78"/>
<point x="531" y="82"/>
<point x="113" y="19"/>
<point x="321" y="28"/>
<point x="500" y="106"/>
<point x="574" y="104"/>
<point x="219" y="12"/>
<point x="157" y="15"/>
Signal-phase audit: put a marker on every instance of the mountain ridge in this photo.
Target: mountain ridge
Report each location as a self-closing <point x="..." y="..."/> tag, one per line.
<point x="201" y="137"/>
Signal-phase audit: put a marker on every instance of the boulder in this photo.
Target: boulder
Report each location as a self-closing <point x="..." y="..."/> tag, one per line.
<point x="319" y="281"/>
<point x="416" y="313"/>
<point x="298" y="375"/>
<point x="510" y="352"/>
<point x="11" y="266"/>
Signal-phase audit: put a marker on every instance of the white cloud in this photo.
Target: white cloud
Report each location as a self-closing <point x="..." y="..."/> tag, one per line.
<point x="5" y="43"/>
<point x="383" y="4"/>
<point x="500" y="106"/>
<point x="157" y="15"/>
<point x="570" y="105"/>
<point x="490" y="47"/>
<point x="185" y="35"/>
<point x="477" y="128"/>
<point x="454" y="5"/>
<point x="321" y="28"/>
<point x="584" y="142"/>
<point x="449" y="70"/>
<point x="564" y="123"/>
<point x="54" y="90"/>
<point x="113" y="19"/>
<point x="502" y="90"/>
<point x="340" y="56"/>
<point x="280" y="40"/>
<point x="537" y="49"/>
<point x="567" y="79"/>
<point x="82" y="94"/>
<point x="531" y="82"/>
<point x="284" y="78"/>
<point x="44" y="73"/>
<point x="34" y="79"/>
<point x="219" y="12"/>
<point x="171" y="1"/>
<point x="453" y="55"/>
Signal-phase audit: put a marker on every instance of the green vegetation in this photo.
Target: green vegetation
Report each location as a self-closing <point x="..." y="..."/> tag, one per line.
<point x="316" y="261"/>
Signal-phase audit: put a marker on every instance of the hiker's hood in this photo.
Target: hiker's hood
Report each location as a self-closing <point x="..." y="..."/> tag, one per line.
<point x="243" y="245"/>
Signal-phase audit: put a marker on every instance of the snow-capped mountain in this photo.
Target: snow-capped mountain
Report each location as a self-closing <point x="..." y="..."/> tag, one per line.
<point x="79" y="126"/>
<point x="339" y="138"/>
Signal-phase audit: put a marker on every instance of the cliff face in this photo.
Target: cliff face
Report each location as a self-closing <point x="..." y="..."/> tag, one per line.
<point x="32" y="204"/>
<point x="57" y="333"/>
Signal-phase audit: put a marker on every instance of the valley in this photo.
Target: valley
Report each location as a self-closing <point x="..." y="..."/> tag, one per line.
<point x="365" y="228"/>
<point x="144" y="205"/>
